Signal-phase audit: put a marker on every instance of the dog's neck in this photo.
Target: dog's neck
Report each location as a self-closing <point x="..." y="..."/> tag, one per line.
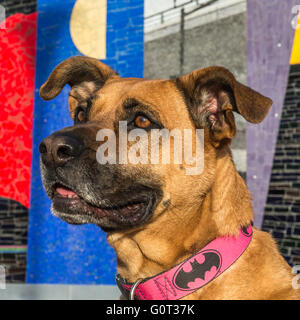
<point x="149" y="251"/>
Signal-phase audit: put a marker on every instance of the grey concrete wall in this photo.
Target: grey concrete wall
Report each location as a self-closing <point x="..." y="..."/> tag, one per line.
<point x="222" y="42"/>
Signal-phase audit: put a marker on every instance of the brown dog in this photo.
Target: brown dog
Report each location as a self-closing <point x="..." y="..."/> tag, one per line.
<point x="156" y="215"/>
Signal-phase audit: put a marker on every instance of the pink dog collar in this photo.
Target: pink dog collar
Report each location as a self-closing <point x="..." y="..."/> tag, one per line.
<point x="191" y="274"/>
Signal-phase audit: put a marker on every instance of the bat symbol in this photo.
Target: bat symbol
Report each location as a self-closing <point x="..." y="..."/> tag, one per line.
<point x="182" y="278"/>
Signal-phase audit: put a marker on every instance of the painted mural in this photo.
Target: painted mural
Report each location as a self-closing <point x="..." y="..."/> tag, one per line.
<point x="35" y="36"/>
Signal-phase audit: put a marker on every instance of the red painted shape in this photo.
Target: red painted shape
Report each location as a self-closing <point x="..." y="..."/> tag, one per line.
<point x="17" y="70"/>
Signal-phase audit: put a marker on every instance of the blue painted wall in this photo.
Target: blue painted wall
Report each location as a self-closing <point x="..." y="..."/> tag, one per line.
<point x="58" y="252"/>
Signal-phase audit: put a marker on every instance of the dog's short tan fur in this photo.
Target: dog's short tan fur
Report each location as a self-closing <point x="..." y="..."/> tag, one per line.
<point x="194" y="209"/>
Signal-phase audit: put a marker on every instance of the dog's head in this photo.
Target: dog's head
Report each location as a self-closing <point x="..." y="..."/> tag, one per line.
<point x="90" y="179"/>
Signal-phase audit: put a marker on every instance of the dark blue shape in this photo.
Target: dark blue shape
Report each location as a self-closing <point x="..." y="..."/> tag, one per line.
<point x="58" y="252"/>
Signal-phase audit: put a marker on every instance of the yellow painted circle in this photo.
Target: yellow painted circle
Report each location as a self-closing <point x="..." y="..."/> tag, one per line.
<point x="88" y="27"/>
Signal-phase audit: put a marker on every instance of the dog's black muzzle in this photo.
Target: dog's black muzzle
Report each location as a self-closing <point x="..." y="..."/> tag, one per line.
<point x="84" y="191"/>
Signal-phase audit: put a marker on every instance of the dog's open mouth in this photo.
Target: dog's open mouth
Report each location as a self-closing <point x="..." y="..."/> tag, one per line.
<point x="72" y="208"/>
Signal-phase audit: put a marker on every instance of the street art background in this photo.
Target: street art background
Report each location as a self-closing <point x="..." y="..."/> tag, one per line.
<point x="255" y="39"/>
<point x="17" y="70"/>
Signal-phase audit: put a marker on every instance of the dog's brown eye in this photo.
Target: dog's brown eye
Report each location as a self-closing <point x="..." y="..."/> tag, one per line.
<point x="80" y="115"/>
<point x="142" y="122"/>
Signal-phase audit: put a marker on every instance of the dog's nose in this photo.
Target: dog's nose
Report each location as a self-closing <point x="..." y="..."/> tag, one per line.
<point x="60" y="149"/>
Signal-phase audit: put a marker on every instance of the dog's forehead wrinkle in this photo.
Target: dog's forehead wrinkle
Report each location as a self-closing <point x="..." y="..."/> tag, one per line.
<point x="157" y="95"/>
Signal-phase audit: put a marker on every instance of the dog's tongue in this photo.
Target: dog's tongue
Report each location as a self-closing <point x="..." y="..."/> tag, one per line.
<point x="66" y="193"/>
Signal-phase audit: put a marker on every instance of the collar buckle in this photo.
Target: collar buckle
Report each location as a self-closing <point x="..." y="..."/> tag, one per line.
<point x="133" y="288"/>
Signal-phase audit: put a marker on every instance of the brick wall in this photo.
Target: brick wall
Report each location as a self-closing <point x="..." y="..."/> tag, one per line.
<point x="18" y="6"/>
<point x="13" y="239"/>
<point x="282" y="211"/>
<point x="13" y="223"/>
<point x="15" y="266"/>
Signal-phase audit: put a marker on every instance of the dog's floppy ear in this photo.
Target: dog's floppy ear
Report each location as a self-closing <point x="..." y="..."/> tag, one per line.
<point x="85" y="76"/>
<point x="213" y="93"/>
